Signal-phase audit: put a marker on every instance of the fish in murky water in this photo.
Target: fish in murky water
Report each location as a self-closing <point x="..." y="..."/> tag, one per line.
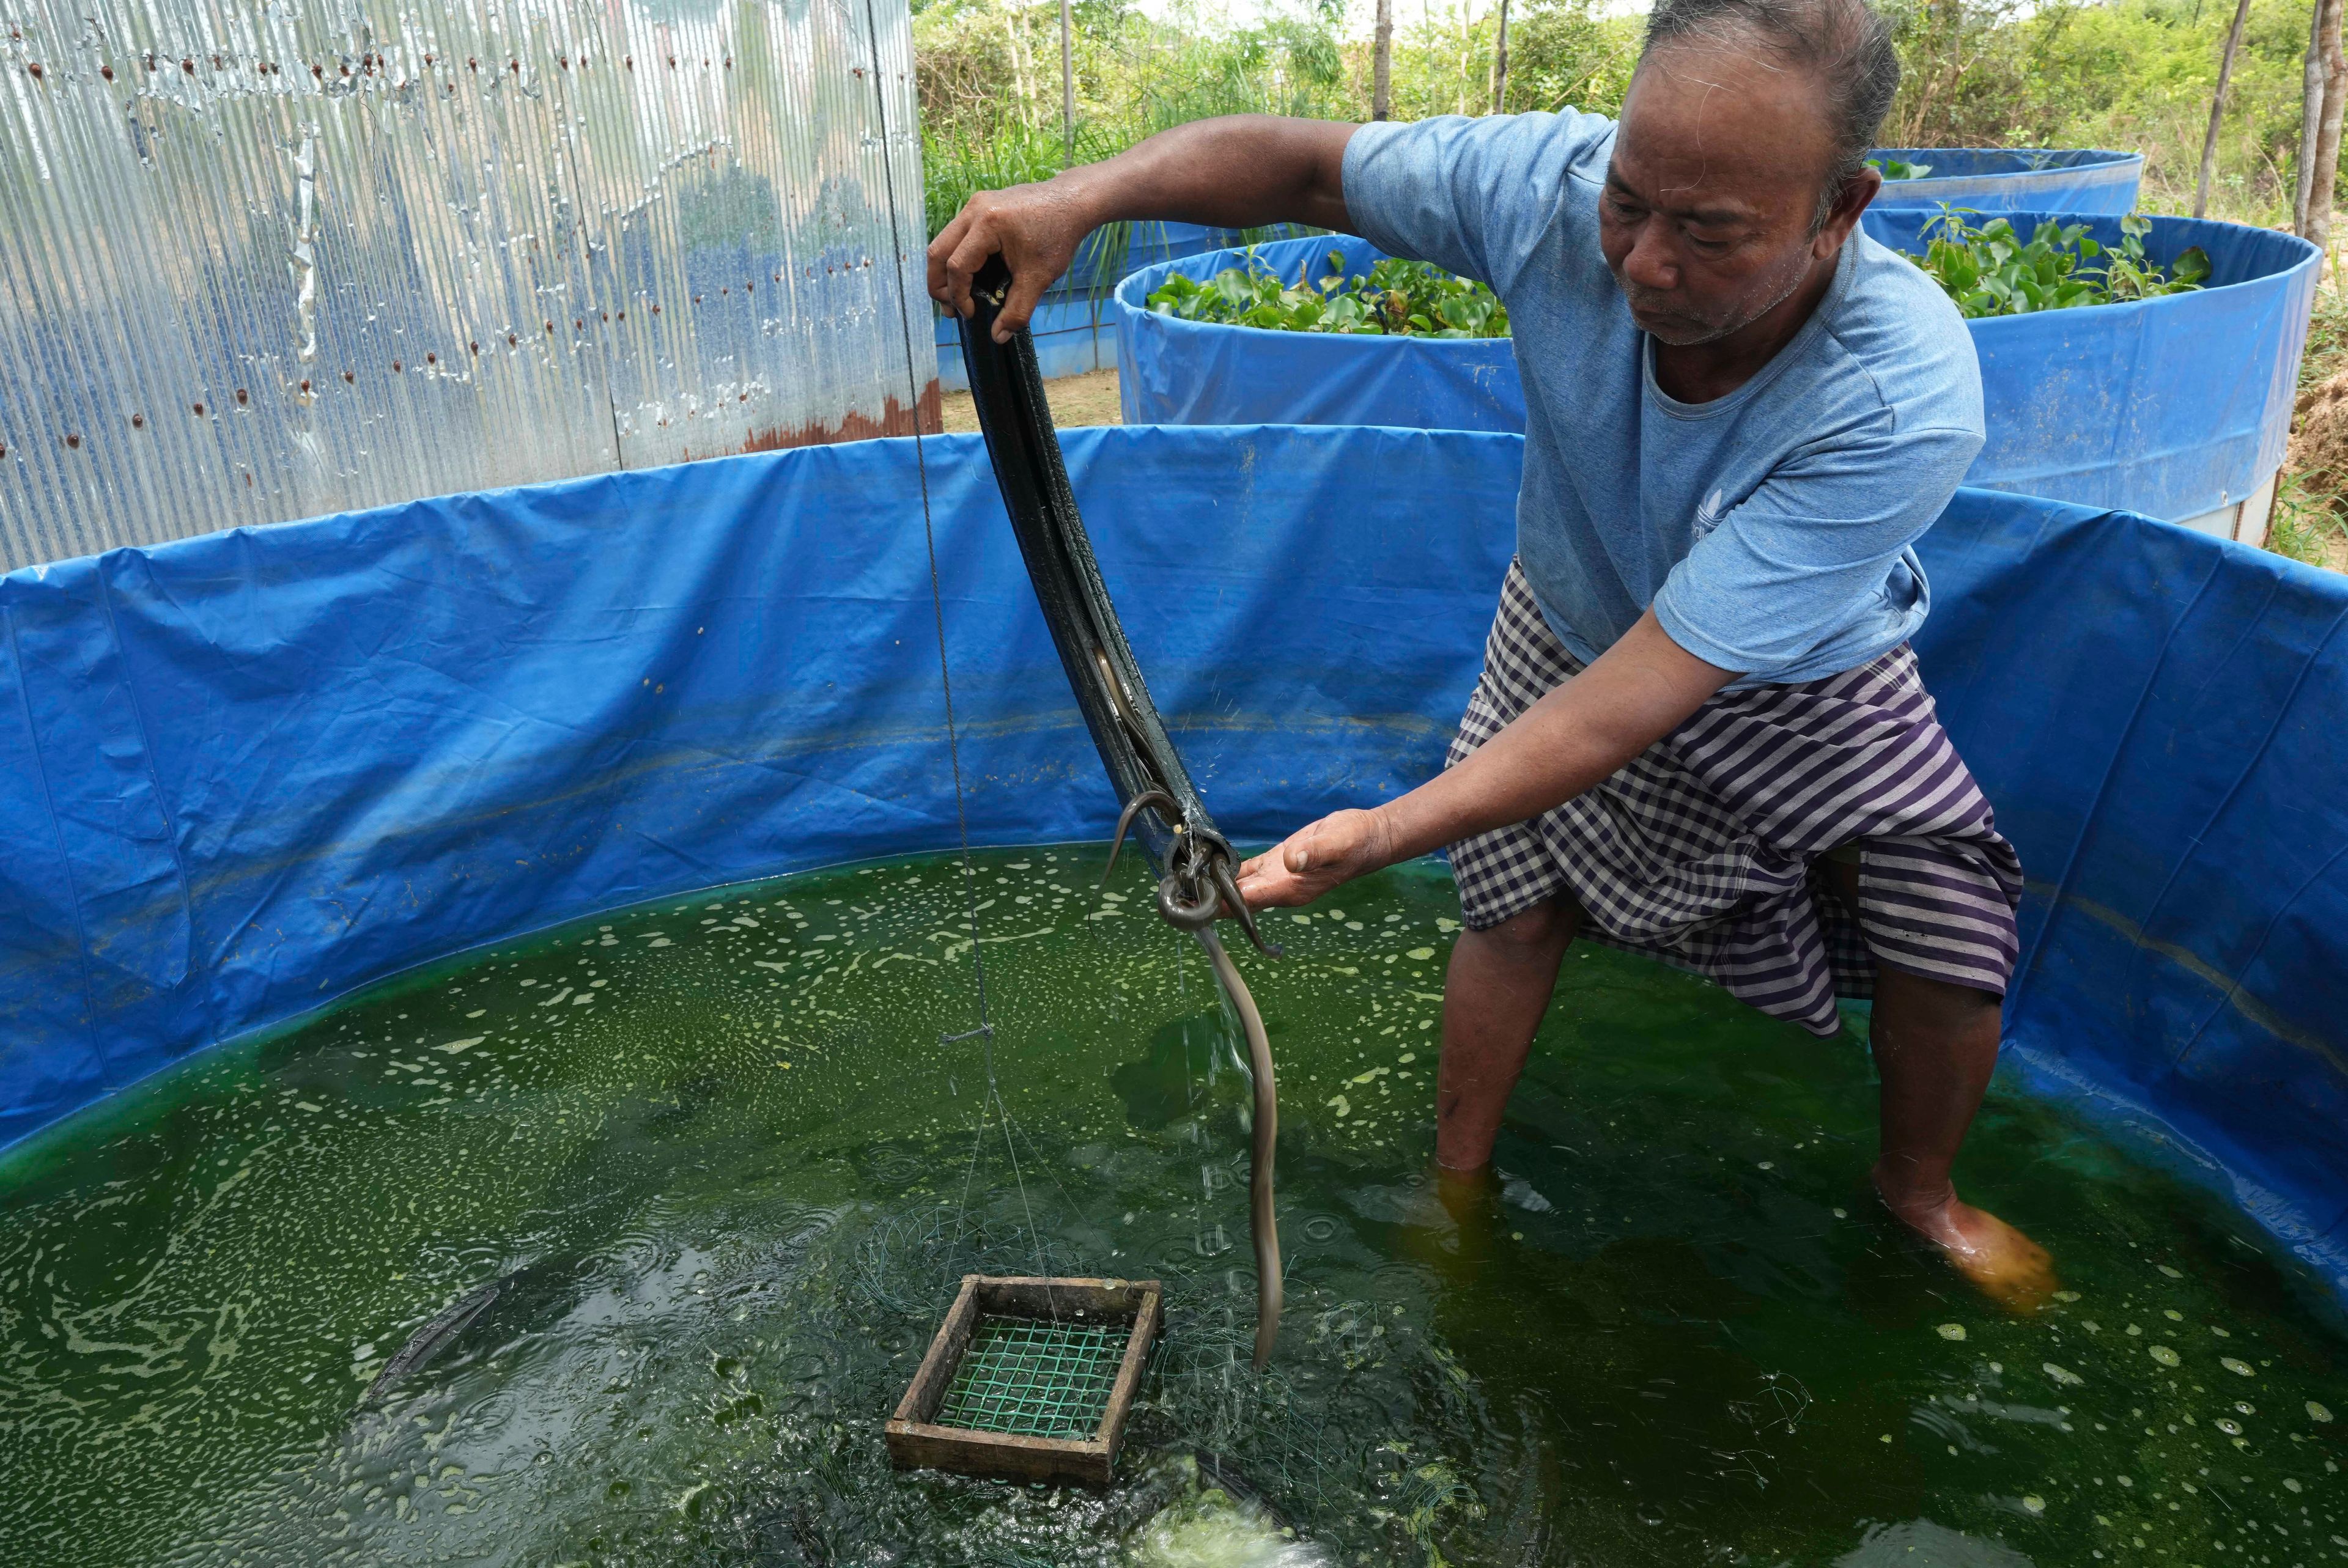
<point x="434" y="1336"/>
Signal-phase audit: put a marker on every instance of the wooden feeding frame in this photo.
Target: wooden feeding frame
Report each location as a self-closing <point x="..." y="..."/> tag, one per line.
<point x="1029" y="1380"/>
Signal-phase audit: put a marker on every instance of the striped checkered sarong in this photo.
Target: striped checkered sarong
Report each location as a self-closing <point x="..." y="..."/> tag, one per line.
<point x="1703" y="851"/>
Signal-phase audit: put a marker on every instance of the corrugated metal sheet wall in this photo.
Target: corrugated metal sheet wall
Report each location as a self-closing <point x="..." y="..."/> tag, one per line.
<point x="263" y="261"/>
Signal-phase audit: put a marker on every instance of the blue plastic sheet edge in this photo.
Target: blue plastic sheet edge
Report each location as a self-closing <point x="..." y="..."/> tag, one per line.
<point x="2175" y="407"/>
<point x="1995" y="180"/>
<point x="243" y="775"/>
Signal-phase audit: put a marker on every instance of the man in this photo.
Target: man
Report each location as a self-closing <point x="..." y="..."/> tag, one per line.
<point x="1699" y="731"/>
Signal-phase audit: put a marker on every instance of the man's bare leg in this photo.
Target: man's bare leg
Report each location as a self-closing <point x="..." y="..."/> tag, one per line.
<point x="1935" y="1045"/>
<point x="1494" y="995"/>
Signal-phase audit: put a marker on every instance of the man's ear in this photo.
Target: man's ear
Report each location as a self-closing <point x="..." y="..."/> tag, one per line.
<point x="1856" y="195"/>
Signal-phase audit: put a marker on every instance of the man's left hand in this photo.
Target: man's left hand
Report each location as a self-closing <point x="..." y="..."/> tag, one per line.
<point x="1316" y="858"/>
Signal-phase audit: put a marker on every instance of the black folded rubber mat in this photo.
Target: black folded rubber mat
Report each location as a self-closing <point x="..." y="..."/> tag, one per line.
<point x="1194" y="861"/>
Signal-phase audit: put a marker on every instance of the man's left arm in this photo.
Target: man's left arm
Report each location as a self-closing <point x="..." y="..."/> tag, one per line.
<point x="1761" y="592"/>
<point x="1632" y="695"/>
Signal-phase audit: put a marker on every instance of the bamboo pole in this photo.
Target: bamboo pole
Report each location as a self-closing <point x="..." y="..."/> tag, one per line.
<point x="1500" y="64"/>
<point x="2217" y="108"/>
<point x="1022" y="75"/>
<point x="2325" y="171"/>
<point x="1068" y="82"/>
<point x="1382" y="64"/>
<point x="2311" y="118"/>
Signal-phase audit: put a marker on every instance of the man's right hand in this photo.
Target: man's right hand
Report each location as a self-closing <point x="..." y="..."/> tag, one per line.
<point x="1036" y="228"/>
<point x="1317" y="859"/>
<point x="1237" y="172"/>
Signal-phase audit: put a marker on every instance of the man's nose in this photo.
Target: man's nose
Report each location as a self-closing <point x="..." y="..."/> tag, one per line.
<point x="1653" y="262"/>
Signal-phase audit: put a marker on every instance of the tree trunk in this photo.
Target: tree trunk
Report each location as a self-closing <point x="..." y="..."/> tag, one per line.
<point x="2217" y="110"/>
<point x="1382" y="64"/>
<point x="1020" y="83"/>
<point x="1069" y="81"/>
<point x="2311" y="117"/>
<point x="1500" y="64"/>
<point x="2325" y="172"/>
<point x="1461" y="107"/>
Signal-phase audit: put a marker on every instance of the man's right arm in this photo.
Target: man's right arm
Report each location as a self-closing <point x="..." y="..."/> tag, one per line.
<point x="1240" y="171"/>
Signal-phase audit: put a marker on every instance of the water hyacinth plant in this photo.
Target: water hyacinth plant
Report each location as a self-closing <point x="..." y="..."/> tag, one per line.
<point x="1394" y="298"/>
<point x="1992" y="270"/>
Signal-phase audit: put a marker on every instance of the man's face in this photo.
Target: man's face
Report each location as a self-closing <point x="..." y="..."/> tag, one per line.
<point x="1706" y="219"/>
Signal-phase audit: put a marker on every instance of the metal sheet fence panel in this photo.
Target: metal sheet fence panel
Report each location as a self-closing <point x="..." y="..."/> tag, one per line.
<point x="263" y="264"/>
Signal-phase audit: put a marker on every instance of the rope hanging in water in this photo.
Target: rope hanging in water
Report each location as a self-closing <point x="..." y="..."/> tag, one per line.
<point x="1197" y="883"/>
<point x="990" y="1103"/>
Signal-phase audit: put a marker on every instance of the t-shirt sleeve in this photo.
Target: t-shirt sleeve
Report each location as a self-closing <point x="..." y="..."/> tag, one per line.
<point x="1473" y="195"/>
<point x="1780" y="573"/>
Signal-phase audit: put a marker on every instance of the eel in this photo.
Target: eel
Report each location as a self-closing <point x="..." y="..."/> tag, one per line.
<point x="1265" y="1133"/>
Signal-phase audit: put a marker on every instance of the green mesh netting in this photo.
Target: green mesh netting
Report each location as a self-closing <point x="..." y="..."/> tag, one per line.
<point x="1035" y="1379"/>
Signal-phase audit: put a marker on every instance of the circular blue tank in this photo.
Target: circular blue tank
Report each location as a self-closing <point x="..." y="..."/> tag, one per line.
<point x="2177" y="407"/>
<point x="243" y="774"/>
<point x="1173" y="372"/>
<point x="2000" y="180"/>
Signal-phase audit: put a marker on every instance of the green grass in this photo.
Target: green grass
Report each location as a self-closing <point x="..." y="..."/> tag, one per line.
<point x="2307" y="526"/>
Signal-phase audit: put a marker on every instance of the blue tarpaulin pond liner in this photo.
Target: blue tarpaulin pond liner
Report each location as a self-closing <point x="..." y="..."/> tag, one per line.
<point x="2177" y="407"/>
<point x="245" y="774"/>
<point x="1073" y="328"/>
<point x="1999" y="179"/>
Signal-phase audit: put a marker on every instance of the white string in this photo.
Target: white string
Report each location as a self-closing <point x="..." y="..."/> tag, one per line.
<point x="984" y="1032"/>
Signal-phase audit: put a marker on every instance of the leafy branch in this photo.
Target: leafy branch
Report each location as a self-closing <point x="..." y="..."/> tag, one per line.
<point x="1992" y="271"/>
<point x="1396" y="298"/>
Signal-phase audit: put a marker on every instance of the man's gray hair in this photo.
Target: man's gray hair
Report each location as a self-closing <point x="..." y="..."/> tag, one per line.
<point x="1843" y="44"/>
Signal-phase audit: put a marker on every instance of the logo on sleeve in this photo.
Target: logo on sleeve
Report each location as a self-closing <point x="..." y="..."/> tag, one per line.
<point x="1708" y="517"/>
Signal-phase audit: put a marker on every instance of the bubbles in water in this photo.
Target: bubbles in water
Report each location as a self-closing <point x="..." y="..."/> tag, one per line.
<point x="1211" y="1531"/>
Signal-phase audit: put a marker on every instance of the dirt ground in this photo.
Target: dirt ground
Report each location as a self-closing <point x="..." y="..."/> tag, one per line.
<point x="1087" y="399"/>
<point x="2319" y="462"/>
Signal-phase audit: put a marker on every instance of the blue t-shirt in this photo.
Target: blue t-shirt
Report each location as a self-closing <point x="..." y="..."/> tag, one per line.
<point x="1770" y="528"/>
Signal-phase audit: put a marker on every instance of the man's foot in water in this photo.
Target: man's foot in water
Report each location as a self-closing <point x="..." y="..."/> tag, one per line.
<point x="1995" y="1258"/>
<point x="1453" y="1217"/>
<point x="1472" y="1198"/>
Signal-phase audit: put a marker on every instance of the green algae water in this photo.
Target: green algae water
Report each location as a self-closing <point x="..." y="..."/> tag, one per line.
<point x="618" y="1245"/>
